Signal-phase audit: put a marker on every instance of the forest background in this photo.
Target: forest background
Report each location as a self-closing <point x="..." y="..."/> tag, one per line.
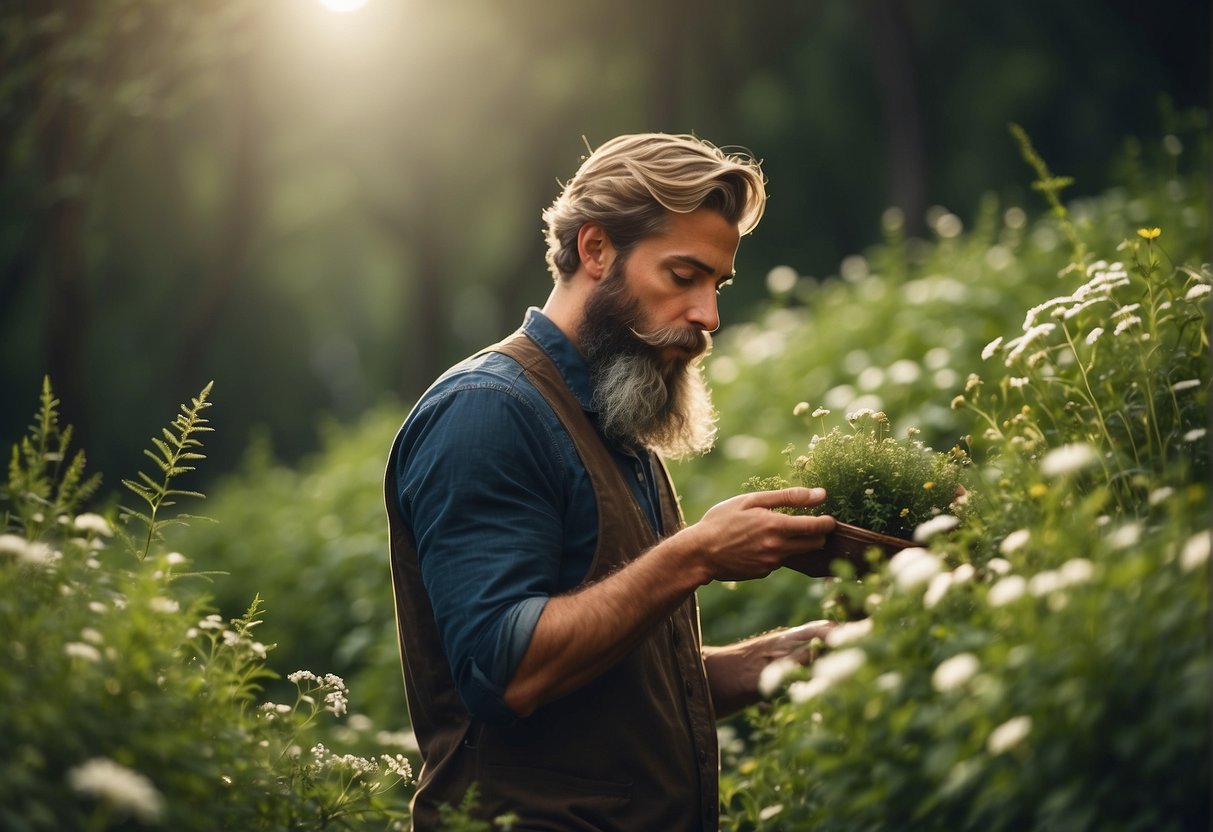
<point x="321" y="211"/>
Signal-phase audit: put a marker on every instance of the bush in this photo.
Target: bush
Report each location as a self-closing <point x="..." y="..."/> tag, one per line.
<point x="126" y="702"/>
<point x="1046" y="665"/>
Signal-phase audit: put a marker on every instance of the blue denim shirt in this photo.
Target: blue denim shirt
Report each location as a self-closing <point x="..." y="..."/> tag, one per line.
<point x="500" y="507"/>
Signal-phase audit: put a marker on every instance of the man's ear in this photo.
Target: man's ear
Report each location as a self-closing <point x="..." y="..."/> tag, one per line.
<point x="595" y="250"/>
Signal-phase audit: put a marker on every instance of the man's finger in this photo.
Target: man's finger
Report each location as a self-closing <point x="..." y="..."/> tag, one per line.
<point x="795" y="497"/>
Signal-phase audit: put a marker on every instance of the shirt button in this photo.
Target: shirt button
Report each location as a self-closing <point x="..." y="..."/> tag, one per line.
<point x="639" y="474"/>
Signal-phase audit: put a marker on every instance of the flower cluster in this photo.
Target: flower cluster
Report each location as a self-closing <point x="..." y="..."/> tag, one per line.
<point x="876" y="481"/>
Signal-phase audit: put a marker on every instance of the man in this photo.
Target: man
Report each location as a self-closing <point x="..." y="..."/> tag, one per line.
<point x="544" y="577"/>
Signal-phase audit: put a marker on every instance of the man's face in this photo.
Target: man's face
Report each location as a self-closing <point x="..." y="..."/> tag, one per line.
<point x="646" y="328"/>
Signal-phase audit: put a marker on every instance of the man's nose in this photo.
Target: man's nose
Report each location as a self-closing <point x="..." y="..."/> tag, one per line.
<point x="704" y="312"/>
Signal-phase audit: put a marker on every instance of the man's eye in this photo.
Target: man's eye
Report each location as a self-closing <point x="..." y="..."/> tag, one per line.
<point x="682" y="279"/>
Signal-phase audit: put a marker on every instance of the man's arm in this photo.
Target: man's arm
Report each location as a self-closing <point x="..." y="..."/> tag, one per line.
<point x="581" y="635"/>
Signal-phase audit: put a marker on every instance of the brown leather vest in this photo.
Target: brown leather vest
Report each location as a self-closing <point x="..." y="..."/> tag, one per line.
<point x="634" y="750"/>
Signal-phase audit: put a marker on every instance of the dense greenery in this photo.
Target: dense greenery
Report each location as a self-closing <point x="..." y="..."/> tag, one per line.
<point x="1043" y="665"/>
<point x="126" y="703"/>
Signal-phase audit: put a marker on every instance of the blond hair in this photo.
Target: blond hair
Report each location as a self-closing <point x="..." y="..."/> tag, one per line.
<point x="630" y="183"/>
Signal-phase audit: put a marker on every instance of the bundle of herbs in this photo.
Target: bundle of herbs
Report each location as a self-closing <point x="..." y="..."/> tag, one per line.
<point x="872" y="479"/>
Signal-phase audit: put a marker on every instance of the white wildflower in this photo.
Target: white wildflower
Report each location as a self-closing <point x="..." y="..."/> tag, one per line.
<point x="1094" y="334"/>
<point x="37" y="553"/>
<point x="1161" y="495"/>
<point x="1079" y="307"/>
<point x="989" y="349"/>
<point x="1186" y="384"/>
<point x="999" y="566"/>
<point x="803" y="691"/>
<point x="13" y="544"/>
<point x="399" y="765"/>
<point x="120" y="787"/>
<point x="1195" y="434"/>
<point x="936" y="525"/>
<point x="963" y="573"/>
<point x="1127" y="535"/>
<point x="174" y="558"/>
<point x="211" y="622"/>
<point x="849" y="632"/>
<point x="1007" y="590"/>
<point x="888" y="680"/>
<point x="1008" y="735"/>
<point x="954" y="672"/>
<point x="771" y="811"/>
<point x="98" y="607"/>
<point x="1068" y="459"/>
<point x="800" y="408"/>
<point x="1077" y="571"/>
<point x="936" y="589"/>
<point x="819" y="412"/>
<point x="1015" y="541"/>
<point x="164" y="605"/>
<point x="1198" y="291"/>
<point x="91" y="635"/>
<point x="335" y="702"/>
<point x="913" y="567"/>
<point x="94" y="524"/>
<point x="1125" y="311"/>
<point x="1018" y="346"/>
<point x="1195" y="552"/>
<point x="1018" y="381"/>
<point x="1045" y="583"/>
<point x="79" y="650"/>
<point x="838" y="666"/>
<point x="301" y="676"/>
<point x="1125" y="324"/>
<point x="1029" y="319"/>
<point x="771" y="678"/>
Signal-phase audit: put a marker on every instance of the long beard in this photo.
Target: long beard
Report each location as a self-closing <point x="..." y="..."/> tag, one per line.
<point x="642" y="398"/>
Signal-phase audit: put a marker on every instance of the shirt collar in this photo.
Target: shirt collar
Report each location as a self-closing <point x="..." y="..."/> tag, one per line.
<point x="564" y="355"/>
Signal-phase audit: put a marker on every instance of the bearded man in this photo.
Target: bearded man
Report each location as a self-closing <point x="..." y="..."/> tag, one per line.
<point x="544" y="577"/>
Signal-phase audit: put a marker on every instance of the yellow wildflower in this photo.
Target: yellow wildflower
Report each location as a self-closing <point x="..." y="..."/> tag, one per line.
<point x="1148" y="233"/>
<point x="1038" y="490"/>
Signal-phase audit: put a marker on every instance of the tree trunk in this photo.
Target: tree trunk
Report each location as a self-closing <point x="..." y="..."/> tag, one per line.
<point x="897" y="79"/>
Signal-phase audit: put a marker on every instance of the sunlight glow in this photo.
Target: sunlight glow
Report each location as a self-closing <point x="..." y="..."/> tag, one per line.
<point x="343" y="5"/>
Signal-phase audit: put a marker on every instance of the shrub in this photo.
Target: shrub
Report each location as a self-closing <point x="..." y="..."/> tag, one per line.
<point x="126" y="702"/>
<point x="1047" y="666"/>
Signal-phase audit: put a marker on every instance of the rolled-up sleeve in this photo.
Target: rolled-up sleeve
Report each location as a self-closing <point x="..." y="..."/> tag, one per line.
<point x="479" y="481"/>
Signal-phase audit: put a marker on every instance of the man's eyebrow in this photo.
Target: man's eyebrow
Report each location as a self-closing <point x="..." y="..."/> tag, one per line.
<point x="695" y="262"/>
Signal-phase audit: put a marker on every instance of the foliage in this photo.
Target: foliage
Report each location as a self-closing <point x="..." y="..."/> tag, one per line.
<point x="172" y="453"/>
<point x="311" y="540"/>
<point x="125" y="703"/>
<point x="1046" y="666"/>
<point x="903" y="326"/>
<point x="874" y="480"/>
<point x="40" y="489"/>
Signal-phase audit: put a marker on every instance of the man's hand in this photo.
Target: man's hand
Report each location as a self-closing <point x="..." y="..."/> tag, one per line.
<point x="734" y="671"/>
<point x="743" y="538"/>
<point x="581" y="635"/>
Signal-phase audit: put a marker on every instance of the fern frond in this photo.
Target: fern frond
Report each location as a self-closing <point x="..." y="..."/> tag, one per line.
<point x="169" y="456"/>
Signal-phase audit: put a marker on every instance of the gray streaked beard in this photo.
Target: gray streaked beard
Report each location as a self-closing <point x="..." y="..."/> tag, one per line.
<point x="641" y="400"/>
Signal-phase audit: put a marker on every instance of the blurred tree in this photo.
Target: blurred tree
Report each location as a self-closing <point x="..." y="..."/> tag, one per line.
<point x="318" y="209"/>
<point x="75" y="77"/>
